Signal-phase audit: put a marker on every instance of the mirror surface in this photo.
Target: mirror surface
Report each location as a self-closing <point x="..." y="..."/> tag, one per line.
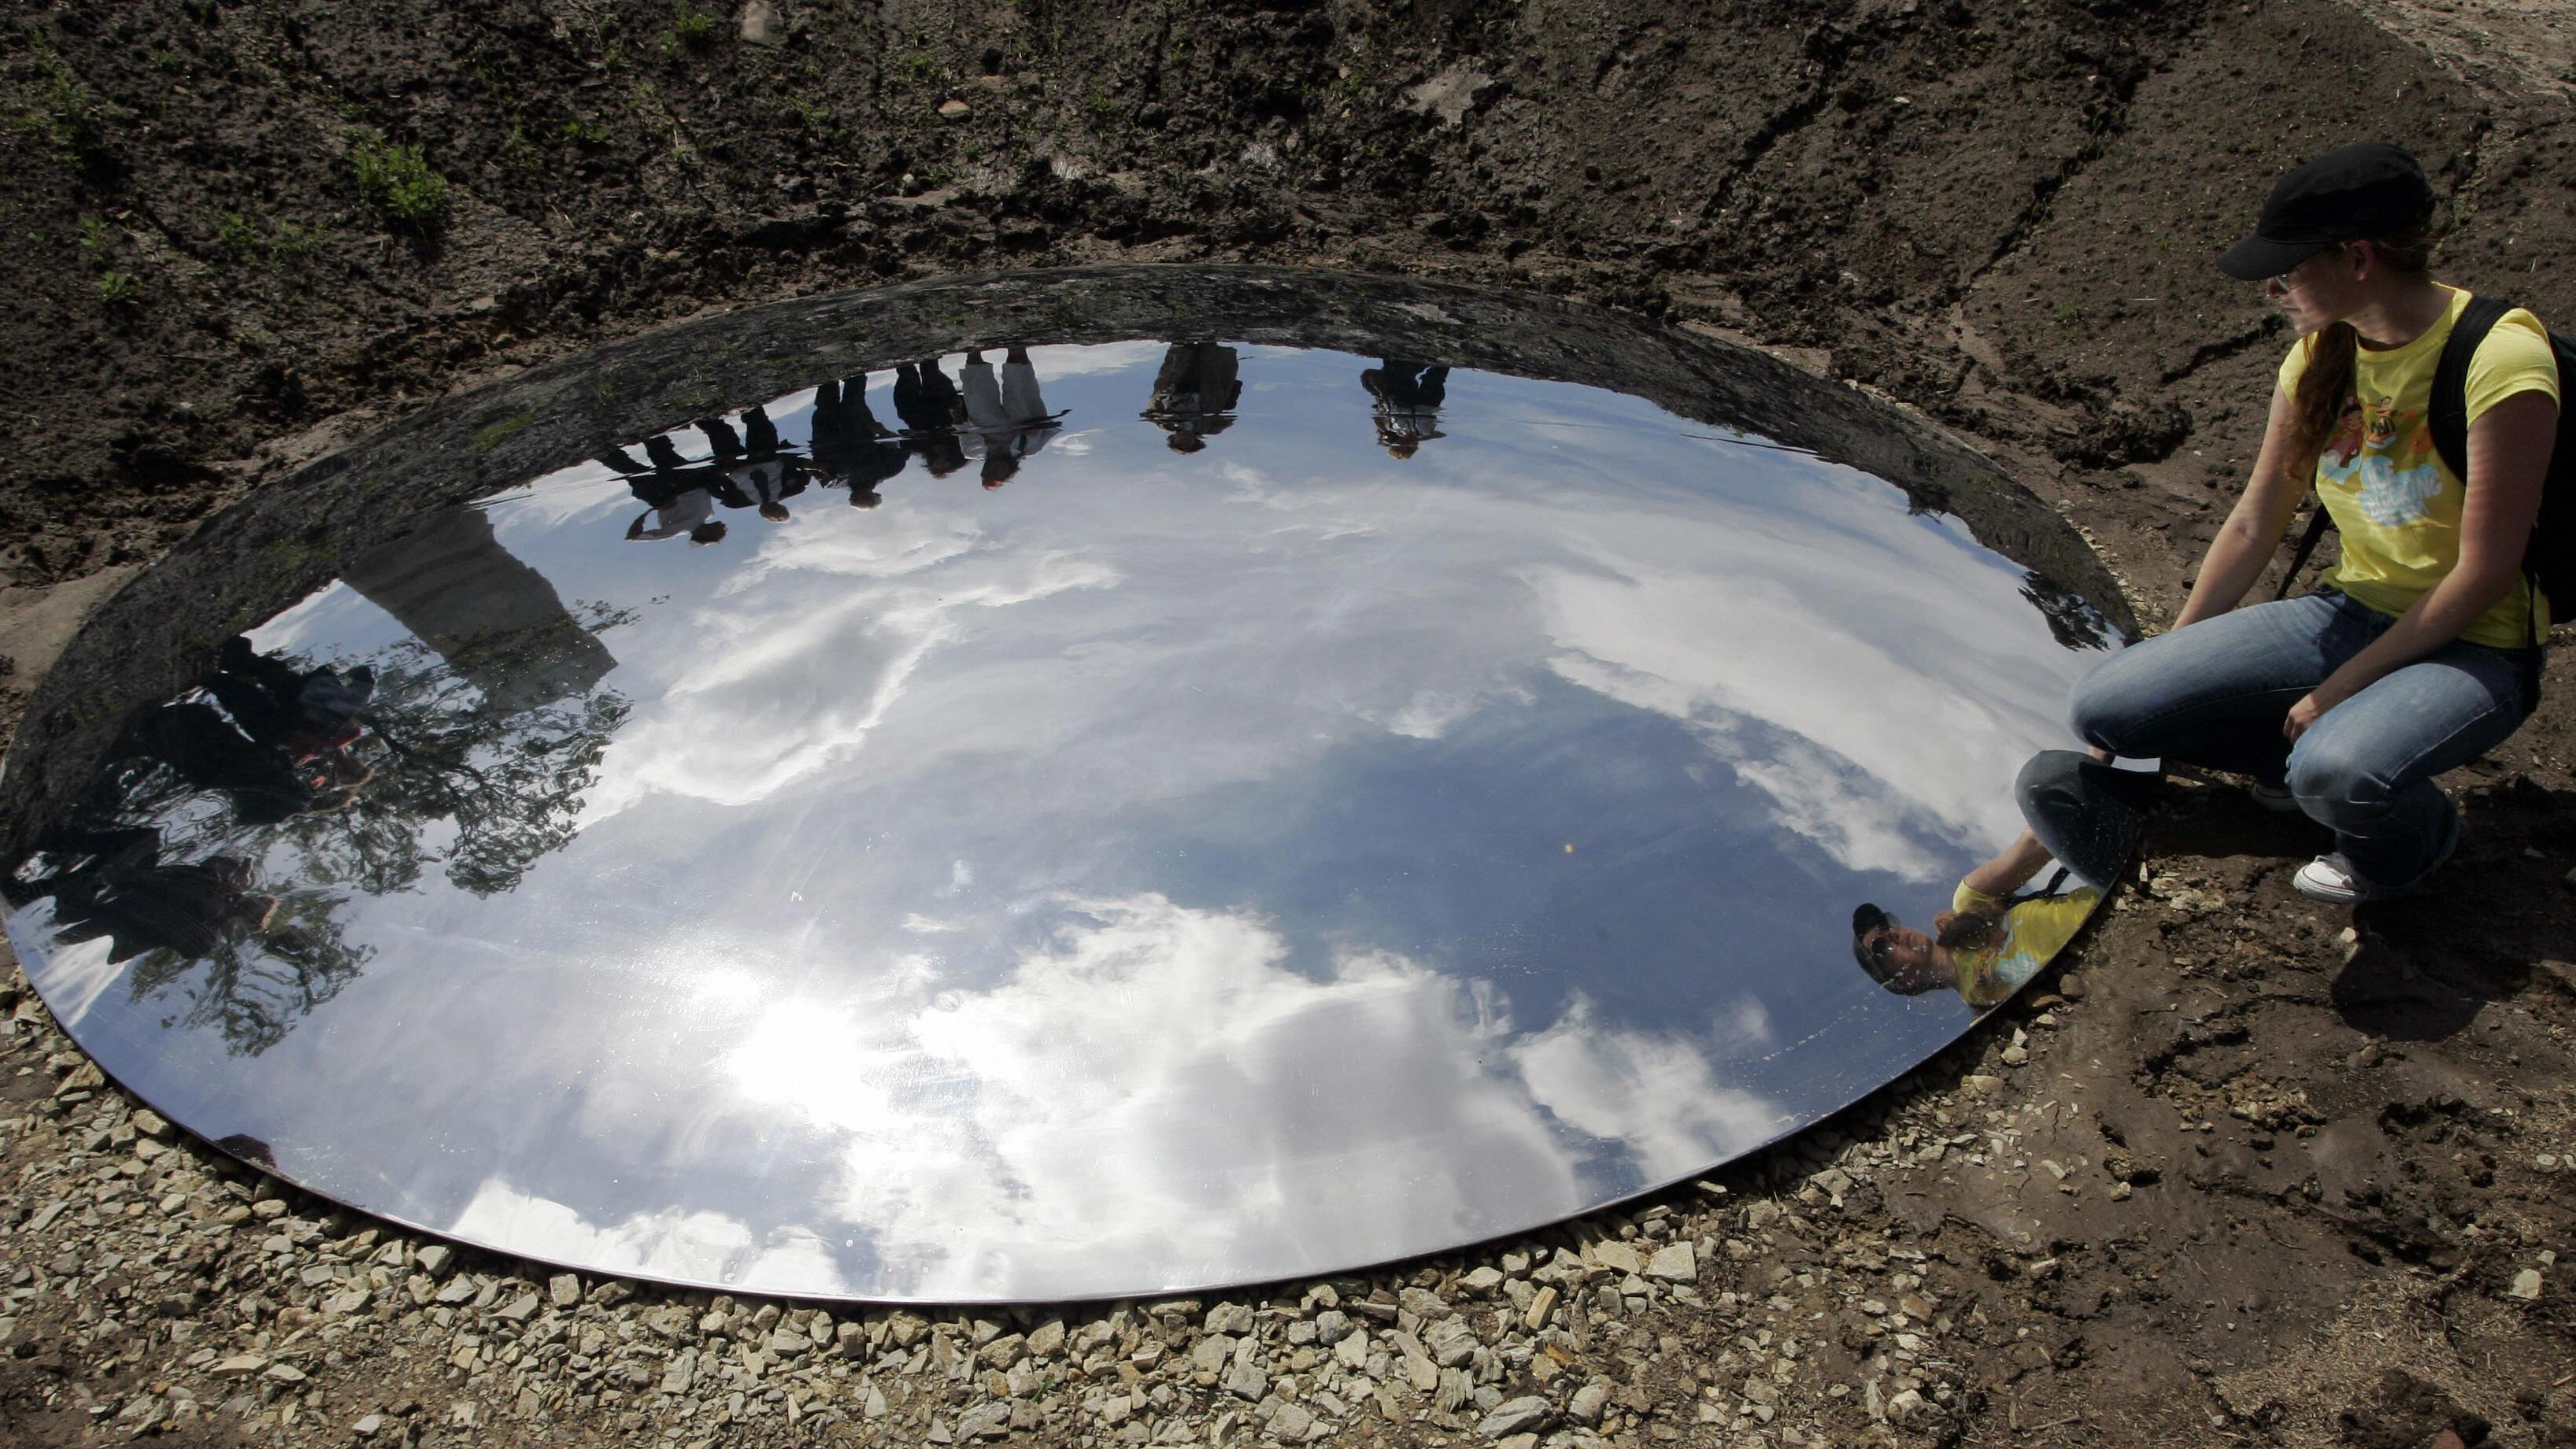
<point x="1062" y="820"/>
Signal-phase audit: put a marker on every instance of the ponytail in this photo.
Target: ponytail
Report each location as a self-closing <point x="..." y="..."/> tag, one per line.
<point x="2325" y="381"/>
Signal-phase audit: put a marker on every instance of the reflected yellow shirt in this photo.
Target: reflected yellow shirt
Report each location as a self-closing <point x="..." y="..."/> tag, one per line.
<point x="2393" y="499"/>
<point x="2029" y="937"/>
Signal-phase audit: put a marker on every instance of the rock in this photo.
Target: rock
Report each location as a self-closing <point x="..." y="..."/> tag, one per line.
<point x="240" y="1363"/>
<point x="1047" y="1339"/>
<point x="153" y="1125"/>
<point x="1292" y="1422"/>
<point x="1228" y="1318"/>
<point x="1588" y="1402"/>
<point x="955" y="110"/>
<point x="2526" y="1284"/>
<point x="1905" y="1406"/>
<point x="1618" y="1257"/>
<point x="2071" y="986"/>
<point x="788" y="1344"/>
<point x="437" y="1260"/>
<point x="521" y="1308"/>
<point x="1674" y="1263"/>
<point x="564" y="1289"/>
<point x="1352" y="1351"/>
<point x="1542" y="1307"/>
<point x="758" y="24"/>
<point x="1246" y="1381"/>
<point x="1513" y="1416"/>
<point x="1003" y="1352"/>
<point x="340" y="1305"/>
<point x="1423" y="1304"/>
<point x="1451" y="1342"/>
<point x="984" y="1421"/>
<point x="1482" y="1281"/>
<point x="1979" y="1084"/>
<point x="1210" y="1355"/>
<point x="368" y="1426"/>
<point x="284" y="1373"/>
<point x="2015" y="1056"/>
<point x="1332" y="1326"/>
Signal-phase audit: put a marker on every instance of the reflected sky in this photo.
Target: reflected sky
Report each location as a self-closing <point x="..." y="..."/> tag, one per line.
<point x="1174" y="866"/>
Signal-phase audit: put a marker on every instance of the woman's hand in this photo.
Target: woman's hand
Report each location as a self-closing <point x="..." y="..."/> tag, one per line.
<point x="2311" y="707"/>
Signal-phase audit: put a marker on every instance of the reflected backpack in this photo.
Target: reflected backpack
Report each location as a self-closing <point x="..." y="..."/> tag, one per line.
<point x="2549" y="559"/>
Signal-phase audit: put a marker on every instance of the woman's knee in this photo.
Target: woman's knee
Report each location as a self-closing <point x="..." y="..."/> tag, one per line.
<point x="2108" y="707"/>
<point x="2336" y="776"/>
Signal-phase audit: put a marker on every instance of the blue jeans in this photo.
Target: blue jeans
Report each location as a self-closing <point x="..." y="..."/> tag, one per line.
<point x="2215" y="695"/>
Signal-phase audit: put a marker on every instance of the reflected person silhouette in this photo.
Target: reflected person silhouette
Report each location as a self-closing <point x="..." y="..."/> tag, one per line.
<point x="1009" y="418"/>
<point x="1195" y="393"/>
<point x="930" y="409"/>
<point x="851" y="448"/>
<point x="2086" y="815"/>
<point x="675" y="493"/>
<point x="1408" y="397"/>
<point x="754" y="470"/>
<point x="121" y="890"/>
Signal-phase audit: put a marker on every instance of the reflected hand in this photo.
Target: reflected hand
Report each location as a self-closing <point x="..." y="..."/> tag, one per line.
<point x="2105" y="756"/>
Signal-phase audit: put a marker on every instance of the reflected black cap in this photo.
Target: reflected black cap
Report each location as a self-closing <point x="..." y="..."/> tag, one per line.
<point x="2363" y="190"/>
<point x="1867" y="918"/>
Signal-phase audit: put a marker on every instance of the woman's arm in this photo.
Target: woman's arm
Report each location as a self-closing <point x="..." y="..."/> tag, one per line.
<point x="2246" y="542"/>
<point x="2010" y="869"/>
<point x="2509" y="448"/>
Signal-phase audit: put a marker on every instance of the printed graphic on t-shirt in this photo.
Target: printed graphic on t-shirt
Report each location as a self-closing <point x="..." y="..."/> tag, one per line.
<point x="2397" y="482"/>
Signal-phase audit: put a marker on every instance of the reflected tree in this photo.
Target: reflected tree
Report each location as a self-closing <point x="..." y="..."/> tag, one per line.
<point x="253" y="991"/>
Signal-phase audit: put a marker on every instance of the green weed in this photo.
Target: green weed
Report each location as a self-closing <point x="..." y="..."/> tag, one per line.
<point x="691" y="29"/>
<point x="920" y="68"/>
<point x="494" y="435"/>
<point x="397" y="182"/>
<point x="117" y="289"/>
<point x="585" y="133"/>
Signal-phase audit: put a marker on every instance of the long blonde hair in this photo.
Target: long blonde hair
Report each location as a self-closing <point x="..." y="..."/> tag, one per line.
<point x="2325" y="380"/>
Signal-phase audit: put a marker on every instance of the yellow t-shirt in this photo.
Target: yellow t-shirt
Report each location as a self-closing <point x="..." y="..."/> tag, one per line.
<point x="2395" y="502"/>
<point x="2029" y="937"/>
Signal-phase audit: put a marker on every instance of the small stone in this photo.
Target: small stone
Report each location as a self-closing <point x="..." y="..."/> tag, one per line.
<point x="1978" y="1084"/>
<point x="284" y="1373"/>
<point x="955" y="110"/>
<point x="758" y="24"/>
<point x="2015" y="1056"/>
<point x="1246" y="1381"/>
<point x="521" y="1308"/>
<point x="786" y="1344"/>
<point x="1588" y="1401"/>
<point x="985" y="1421"/>
<point x="1513" y="1416"/>
<point x="1451" y="1343"/>
<point x="1674" y="1263"/>
<point x="153" y="1125"/>
<point x="1617" y="1257"/>
<point x="1332" y="1326"/>
<point x="2526" y="1285"/>
<point x="1229" y="1318"/>
<point x="437" y="1260"/>
<point x="366" y="1427"/>
<point x="2121" y="1192"/>
<point x="241" y="1363"/>
<point x="1906" y="1405"/>
<point x="1047" y="1339"/>
<point x="1003" y="1352"/>
<point x="1542" y="1306"/>
<point x="1210" y="1355"/>
<point x="2071" y="986"/>
<point x="268" y="1209"/>
<point x="1482" y="1280"/>
<point x="340" y="1305"/>
<point x="1292" y="1422"/>
<point x="564" y="1289"/>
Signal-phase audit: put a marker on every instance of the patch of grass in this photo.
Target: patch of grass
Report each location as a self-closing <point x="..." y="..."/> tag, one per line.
<point x="590" y="135"/>
<point x="239" y="239"/>
<point x="920" y="68"/>
<point x="397" y="182"/>
<point x="62" y="116"/>
<point x="93" y="240"/>
<point x="494" y="435"/>
<point x="117" y="289"/>
<point x="691" y="29"/>
<point x="2067" y="315"/>
<point x="170" y="61"/>
<point x="815" y="115"/>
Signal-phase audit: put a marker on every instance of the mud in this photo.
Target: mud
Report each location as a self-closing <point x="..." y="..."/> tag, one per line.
<point x="1999" y="214"/>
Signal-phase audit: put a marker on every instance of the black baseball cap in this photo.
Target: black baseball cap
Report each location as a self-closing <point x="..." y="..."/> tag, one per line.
<point x="2362" y="190"/>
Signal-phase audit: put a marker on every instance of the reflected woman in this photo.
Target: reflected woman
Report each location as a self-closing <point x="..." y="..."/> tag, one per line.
<point x="2084" y="814"/>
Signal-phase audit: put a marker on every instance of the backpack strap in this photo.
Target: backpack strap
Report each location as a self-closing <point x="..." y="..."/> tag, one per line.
<point x="2448" y="413"/>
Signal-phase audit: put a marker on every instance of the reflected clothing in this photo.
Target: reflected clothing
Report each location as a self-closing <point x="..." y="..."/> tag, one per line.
<point x="1409" y="397"/>
<point x="928" y="404"/>
<point x="1195" y="391"/>
<point x="2025" y="938"/>
<point x="676" y="517"/>
<point x="850" y="446"/>
<point x="1007" y="414"/>
<point x="2395" y="502"/>
<point x="2088" y="814"/>
<point x="757" y="470"/>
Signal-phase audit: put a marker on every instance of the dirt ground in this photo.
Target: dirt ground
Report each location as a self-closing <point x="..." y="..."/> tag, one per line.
<point x="2317" y="1164"/>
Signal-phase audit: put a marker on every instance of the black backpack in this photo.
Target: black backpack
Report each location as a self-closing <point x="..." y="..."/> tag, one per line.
<point x="2549" y="560"/>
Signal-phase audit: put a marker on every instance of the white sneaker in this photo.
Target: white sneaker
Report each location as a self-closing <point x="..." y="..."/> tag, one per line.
<point x="2331" y="878"/>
